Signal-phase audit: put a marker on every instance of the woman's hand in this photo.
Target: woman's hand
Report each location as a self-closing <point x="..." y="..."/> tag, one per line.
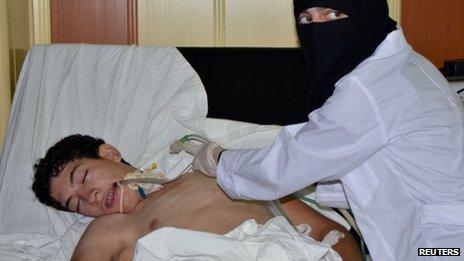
<point x="207" y="159"/>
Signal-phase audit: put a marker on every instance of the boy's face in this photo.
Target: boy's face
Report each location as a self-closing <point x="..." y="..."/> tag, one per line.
<point x="88" y="186"/>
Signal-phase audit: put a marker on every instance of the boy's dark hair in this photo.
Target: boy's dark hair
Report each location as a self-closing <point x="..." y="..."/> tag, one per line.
<point x="66" y="150"/>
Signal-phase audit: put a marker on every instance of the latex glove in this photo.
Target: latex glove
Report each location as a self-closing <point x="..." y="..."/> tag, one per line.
<point x="206" y="160"/>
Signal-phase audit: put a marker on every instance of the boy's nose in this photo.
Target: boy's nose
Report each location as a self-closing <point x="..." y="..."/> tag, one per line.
<point x="93" y="196"/>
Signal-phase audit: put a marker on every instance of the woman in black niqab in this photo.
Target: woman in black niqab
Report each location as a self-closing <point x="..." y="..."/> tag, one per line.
<point x="333" y="49"/>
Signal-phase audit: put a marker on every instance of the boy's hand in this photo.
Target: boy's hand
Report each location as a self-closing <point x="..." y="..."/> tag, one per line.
<point x="206" y="160"/>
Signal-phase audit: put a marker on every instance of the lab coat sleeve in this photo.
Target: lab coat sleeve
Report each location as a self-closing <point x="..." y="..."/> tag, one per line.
<point x="331" y="194"/>
<point x="339" y="137"/>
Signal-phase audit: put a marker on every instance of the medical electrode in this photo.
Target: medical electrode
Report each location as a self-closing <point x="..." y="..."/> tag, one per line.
<point x="145" y="181"/>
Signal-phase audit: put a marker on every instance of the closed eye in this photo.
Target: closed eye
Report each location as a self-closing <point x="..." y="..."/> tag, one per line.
<point x="85" y="176"/>
<point x="79" y="200"/>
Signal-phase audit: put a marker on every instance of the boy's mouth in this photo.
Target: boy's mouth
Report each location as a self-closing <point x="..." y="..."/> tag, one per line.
<point x="110" y="198"/>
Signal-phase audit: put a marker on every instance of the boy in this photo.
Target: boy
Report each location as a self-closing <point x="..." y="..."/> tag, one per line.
<point x="79" y="172"/>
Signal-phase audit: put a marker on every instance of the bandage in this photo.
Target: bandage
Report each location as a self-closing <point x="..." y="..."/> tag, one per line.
<point x="333" y="237"/>
<point x="145" y="181"/>
<point x="137" y="180"/>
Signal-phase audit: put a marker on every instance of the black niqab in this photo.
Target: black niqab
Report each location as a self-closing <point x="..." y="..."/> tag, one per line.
<point x="333" y="49"/>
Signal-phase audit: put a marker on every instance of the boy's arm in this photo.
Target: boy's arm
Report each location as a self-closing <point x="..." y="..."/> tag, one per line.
<point x="299" y="213"/>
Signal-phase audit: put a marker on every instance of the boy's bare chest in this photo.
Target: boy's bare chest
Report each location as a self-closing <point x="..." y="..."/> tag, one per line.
<point x="197" y="204"/>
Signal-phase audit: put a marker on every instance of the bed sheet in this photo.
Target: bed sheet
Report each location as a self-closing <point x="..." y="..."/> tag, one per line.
<point x="276" y="240"/>
<point x="137" y="98"/>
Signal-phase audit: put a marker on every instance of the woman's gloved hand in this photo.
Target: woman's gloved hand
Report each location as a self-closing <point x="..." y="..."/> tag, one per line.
<point x="206" y="160"/>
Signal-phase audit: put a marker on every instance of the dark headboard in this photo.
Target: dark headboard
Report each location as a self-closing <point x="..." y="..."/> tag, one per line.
<point x="259" y="85"/>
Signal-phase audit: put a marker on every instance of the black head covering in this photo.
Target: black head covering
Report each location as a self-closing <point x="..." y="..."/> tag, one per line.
<point x="333" y="49"/>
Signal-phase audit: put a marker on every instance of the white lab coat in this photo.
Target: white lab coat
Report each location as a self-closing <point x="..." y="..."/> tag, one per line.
<point x="392" y="133"/>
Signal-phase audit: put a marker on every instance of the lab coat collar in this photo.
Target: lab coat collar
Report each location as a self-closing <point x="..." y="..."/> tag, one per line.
<point x="394" y="43"/>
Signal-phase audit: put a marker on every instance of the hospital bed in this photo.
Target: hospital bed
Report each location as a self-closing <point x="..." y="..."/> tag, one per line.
<point x="140" y="99"/>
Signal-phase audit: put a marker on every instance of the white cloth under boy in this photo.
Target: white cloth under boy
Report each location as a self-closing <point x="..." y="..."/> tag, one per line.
<point x="276" y="240"/>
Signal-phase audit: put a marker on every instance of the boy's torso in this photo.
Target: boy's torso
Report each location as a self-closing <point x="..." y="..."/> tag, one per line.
<point x="196" y="202"/>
